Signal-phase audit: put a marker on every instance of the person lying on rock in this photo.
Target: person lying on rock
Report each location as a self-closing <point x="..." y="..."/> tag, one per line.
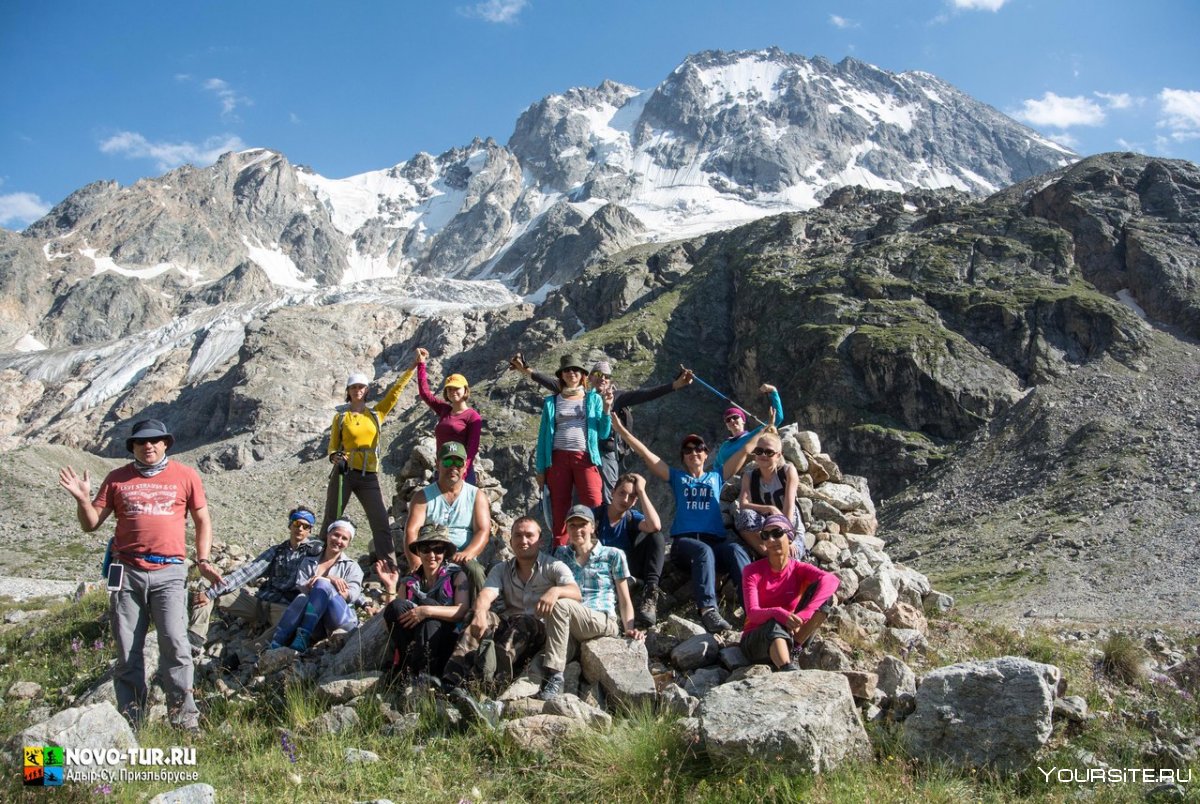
<point x="638" y="534"/>
<point x="425" y="607"/>
<point x="457" y="420"/>
<point x="527" y="586"/>
<point x="354" y="452"/>
<point x="279" y="563"/>
<point x="786" y="600"/>
<point x="699" y="540"/>
<point x="612" y="449"/>
<point x="457" y="504"/>
<point x="769" y="488"/>
<point x="735" y="423"/>
<point x="602" y="575"/>
<point x="329" y="585"/>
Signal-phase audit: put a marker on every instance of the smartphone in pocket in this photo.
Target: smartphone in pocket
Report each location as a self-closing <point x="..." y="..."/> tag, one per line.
<point x="116" y="577"/>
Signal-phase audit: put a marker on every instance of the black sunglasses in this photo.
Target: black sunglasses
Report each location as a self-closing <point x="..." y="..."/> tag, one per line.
<point x="441" y="550"/>
<point x="768" y="453"/>
<point x="694" y="449"/>
<point x="772" y="534"/>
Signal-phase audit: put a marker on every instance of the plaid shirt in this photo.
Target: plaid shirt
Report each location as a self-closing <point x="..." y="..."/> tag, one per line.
<point x="597" y="581"/>
<point x="279" y="563"/>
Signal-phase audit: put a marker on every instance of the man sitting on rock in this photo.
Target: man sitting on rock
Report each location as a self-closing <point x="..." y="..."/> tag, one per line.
<point x="528" y="585"/>
<point x="460" y="506"/>
<point x="786" y="600"/>
<point x="638" y="534"/>
<point x="266" y="606"/>
<point x="602" y="575"/>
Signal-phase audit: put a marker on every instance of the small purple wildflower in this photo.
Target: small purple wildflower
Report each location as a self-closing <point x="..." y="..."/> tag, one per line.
<point x="102" y="790"/>
<point x="289" y="747"/>
<point x="76" y="645"/>
<point x="98" y="645"/>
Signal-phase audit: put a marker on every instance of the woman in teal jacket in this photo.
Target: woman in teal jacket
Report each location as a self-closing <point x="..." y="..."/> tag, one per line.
<point x="574" y="421"/>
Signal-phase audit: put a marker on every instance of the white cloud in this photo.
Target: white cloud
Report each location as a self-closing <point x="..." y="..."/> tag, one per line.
<point x="841" y="22"/>
<point x="1119" y="100"/>
<point x="1058" y="112"/>
<point x="495" y="10"/>
<point x="21" y="208"/>
<point x="978" y="5"/>
<point x="229" y="97"/>
<point x="167" y="155"/>
<point x="1181" y="113"/>
<point x="294" y="118"/>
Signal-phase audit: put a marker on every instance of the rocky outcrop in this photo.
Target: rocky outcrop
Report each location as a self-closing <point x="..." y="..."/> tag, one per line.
<point x="991" y="714"/>
<point x="803" y="721"/>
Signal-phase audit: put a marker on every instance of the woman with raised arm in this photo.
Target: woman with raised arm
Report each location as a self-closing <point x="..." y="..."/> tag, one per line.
<point x="329" y="585"/>
<point x="768" y="489"/>
<point x="574" y="421"/>
<point x="457" y="420"/>
<point x="354" y="452"/>
<point x="735" y="423"/>
<point x="425" y="607"/>
<point x="700" y="541"/>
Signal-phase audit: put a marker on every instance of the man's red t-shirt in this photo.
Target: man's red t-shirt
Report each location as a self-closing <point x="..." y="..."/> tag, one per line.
<point x="151" y="511"/>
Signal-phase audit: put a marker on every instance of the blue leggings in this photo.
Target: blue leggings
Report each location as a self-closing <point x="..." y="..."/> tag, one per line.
<point x="321" y="606"/>
<point x="704" y="554"/>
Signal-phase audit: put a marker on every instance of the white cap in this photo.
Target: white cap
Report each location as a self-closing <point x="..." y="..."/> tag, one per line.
<point x="357" y="378"/>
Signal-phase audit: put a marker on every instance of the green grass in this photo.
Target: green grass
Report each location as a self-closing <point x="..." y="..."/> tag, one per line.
<point x="264" y="748"/>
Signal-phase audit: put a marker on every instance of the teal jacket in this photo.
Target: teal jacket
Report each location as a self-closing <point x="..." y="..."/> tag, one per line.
<point x="599" y="427"/>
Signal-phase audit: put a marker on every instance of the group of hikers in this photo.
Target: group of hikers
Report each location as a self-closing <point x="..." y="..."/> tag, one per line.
<point x="452" y="620"/>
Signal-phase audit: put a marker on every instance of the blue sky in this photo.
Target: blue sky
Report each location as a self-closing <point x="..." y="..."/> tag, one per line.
<point x="121" y="90"/>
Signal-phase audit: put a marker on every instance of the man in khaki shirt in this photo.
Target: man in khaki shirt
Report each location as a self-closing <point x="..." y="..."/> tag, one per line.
<point x="528" y="585"/>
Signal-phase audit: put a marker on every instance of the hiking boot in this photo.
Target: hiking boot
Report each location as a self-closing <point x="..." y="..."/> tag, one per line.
<point x="647" y="610"/>
<point x="713" y="622"/>
<point x="790" y="667"/>
<point x="552" y="687"/>
<point x="300" y="643"/>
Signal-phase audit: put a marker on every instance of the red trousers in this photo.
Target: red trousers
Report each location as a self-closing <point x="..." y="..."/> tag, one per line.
<point x="571" y="471"/>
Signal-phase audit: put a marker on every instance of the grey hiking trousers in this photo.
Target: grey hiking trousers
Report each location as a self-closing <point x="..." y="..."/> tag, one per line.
<point x="158" y="596"/>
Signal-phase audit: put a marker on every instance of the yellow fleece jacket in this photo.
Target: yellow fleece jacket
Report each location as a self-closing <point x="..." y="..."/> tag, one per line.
<point x="357" y="433"/>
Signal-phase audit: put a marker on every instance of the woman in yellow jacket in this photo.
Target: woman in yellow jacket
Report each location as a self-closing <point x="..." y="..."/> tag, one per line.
<point x="354" y="453"/>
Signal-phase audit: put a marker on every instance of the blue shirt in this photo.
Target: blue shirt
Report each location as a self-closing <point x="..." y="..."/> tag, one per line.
<point x="732" y="444"/>
<point x="597" y="580"/>
<point x="621" y="535"/>
<point x="697" y="503"/>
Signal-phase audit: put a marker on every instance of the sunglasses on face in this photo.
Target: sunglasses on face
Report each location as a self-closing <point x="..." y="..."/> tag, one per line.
<point x="141" y="442"/>
<point x="301" y="524"/>
<point x="598" y="376"/>
<point x="452" y="461"/>
<point x="437" y="549"/>
<point x="695" y="450"/>
<point x="768" y="453"/>
<point x="729" y="419"/>
<point x="772" y="534"/>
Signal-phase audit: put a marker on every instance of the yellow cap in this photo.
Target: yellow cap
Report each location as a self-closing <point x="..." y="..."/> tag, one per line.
<point x="455" y="381"/>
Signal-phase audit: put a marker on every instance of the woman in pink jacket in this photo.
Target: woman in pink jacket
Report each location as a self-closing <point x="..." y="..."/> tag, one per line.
<point x="785" y="599"/>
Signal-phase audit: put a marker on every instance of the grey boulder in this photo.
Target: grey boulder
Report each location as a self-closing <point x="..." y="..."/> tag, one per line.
<point x="992" y="714"/>
<point x="806" y="718"/>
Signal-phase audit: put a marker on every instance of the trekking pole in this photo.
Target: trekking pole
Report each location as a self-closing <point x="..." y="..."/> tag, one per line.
<point x="696" y="377"/>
